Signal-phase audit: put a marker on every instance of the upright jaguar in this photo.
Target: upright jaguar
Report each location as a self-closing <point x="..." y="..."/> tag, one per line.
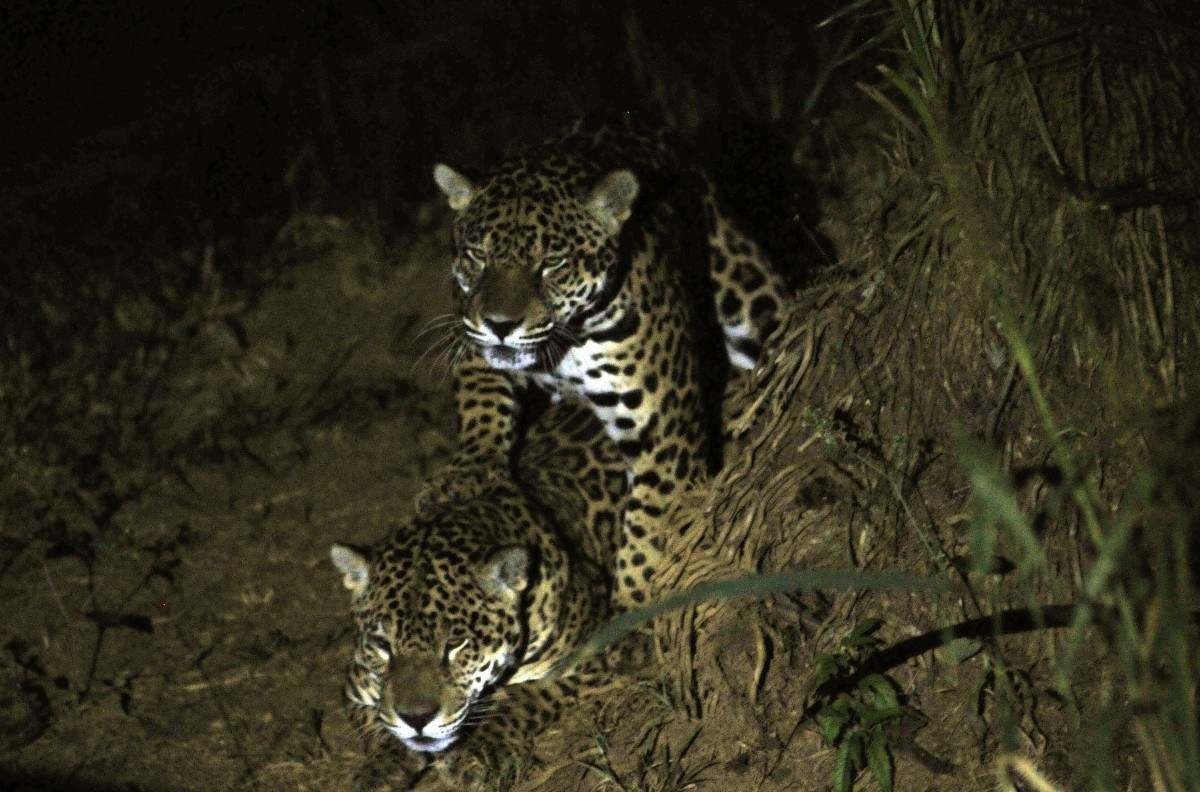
<point x="463" y="610"/>
<point x="599" y="266"/>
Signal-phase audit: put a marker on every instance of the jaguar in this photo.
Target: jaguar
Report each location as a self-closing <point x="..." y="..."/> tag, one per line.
<point x="600" y="267"/>
<point x="462" y="612"/>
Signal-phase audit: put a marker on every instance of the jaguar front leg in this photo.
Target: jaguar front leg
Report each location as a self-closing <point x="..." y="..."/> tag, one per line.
<point x="663" y="462"/>
<point x="487" y="407"/>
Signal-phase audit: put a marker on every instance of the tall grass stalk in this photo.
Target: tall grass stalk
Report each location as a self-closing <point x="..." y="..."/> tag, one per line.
<point x="1140" y="541"/>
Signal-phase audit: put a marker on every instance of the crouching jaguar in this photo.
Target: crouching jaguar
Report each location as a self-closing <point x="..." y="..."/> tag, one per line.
<point x="462" y="611"/>
<point x="600" y="267"/>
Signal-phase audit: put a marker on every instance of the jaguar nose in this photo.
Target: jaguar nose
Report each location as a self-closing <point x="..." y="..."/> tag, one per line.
<point x="418" y="719"/>
<point x="500" y="327"/>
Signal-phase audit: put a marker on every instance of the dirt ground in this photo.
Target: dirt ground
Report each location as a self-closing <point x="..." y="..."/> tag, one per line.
<point x="202" y="647"/>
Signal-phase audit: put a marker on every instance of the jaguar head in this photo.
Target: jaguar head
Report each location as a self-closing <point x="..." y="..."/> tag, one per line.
<point x="533" y="251"/>
<point x="438" y="628"/>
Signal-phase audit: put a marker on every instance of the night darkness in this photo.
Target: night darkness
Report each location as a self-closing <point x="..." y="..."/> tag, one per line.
<point x="224" y="346"/>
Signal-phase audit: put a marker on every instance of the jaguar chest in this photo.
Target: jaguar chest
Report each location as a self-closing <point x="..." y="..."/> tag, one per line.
<point x="605" y="376"/>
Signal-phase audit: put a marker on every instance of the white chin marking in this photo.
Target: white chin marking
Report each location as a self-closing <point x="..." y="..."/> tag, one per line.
<point x="429" y="744"/>
<point x="506" y="357"/>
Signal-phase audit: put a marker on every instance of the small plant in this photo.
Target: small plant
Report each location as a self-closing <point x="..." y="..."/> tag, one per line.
<point x="858" y="722"/>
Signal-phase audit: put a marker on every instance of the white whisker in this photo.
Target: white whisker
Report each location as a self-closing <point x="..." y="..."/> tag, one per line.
<point x="437" y="328"/>
<point x="447" y="357"/>
<point x="442" y="320"/>
<point x="458" y="350"/>
<point x="444" y="342"/>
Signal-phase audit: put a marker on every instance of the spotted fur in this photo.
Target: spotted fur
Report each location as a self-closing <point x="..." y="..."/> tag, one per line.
<point x="599" y="267"/>
<point x="462" y="611"/>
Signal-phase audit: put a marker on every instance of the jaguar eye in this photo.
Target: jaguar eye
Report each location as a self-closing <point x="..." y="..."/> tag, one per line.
<point x="477" y="255"/>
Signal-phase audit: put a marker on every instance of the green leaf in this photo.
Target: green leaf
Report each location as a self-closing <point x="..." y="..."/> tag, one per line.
<point x="845" y="767"/>
<point x="830" y="722"/>
<point x="826" y="667"/>
<point x="882" y="715"/>
<point x="854" y="642"/>
<point x="862" y="634"/>
<point x="844" y="706"/>
<point x="879" y="760"/>
<point x="866" y="627"/>
<point x="881" y="691"/>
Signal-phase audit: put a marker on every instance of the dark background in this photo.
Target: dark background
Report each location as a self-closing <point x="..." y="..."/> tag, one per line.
<point x="372" y="89"/>
<point x="137" y="129"/>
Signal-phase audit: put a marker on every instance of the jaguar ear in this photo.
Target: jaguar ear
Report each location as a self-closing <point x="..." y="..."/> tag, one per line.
<point x="354" y="563"/>
<point x="506" y="572"/>
<point x="611" y="200"/>
<point x="458" y="188"/>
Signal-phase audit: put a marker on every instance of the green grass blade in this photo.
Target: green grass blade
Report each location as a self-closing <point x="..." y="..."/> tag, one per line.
<point x="751" y="586"/>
